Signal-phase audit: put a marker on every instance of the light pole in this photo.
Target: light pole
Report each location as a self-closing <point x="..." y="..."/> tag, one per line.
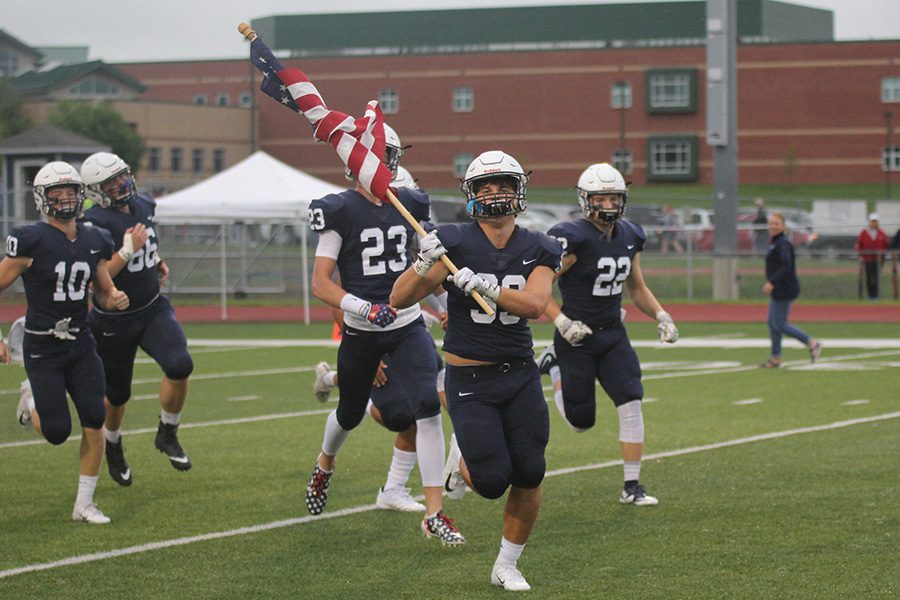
<point x="888" y="155"/>
<point x="620" y="89"/>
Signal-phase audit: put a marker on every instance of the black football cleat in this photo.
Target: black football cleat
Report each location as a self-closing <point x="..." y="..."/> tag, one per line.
<point x="167" y="443"/>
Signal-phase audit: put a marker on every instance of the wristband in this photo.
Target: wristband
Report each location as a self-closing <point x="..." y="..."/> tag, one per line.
<point x="561" y="321"/>
<point x="127" y="249"/>
<point x="660" y="314"/>
<point x="350" y="303"/>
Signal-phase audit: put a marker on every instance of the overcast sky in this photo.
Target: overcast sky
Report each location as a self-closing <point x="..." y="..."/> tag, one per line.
<point x="148" y="30"/>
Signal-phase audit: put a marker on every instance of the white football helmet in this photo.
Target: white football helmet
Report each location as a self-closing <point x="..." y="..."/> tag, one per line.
<point x="404" y="179"/>
<point x="602" y="178"/>
<point x="58" y="174"/>
<point x="393" y="149"/>
<point x="495" y="164"/>
<point x="103" y="167"/>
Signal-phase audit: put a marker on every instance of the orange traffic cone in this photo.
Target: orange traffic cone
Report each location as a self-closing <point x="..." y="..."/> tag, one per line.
<point x="336" y="332"/>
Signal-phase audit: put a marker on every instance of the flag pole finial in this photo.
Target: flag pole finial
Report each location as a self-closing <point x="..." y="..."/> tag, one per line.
<point x="245" y="31"/>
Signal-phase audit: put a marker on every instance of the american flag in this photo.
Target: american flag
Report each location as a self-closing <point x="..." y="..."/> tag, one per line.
<point x="359" y="142"/>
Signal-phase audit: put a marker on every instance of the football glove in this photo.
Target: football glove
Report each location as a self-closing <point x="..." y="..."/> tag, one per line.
<point x="430" y="251"/>
<point x="469" y="282"/>
<point x="572" y="331"/>
<point x="665" y="326"/>
<point x="382" y="314"/>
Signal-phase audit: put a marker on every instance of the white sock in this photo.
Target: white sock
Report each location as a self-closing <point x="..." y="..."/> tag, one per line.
<point x="632" y="470"/>
<point x="402" y="465"/>
<point x="170" y="418"/>
<point x="509" y="553"/>
<point x="86" y="487"/>
<point x="555" y="375"/>
<point x="430" y="450"/>
<point x="369" y="406"/>
<point x="329" y="378"/>
<point x="335" y="435"/>
<point x="113" y="437"/>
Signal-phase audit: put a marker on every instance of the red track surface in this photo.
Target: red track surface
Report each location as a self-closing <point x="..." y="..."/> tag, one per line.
<point x="712" y="313"/>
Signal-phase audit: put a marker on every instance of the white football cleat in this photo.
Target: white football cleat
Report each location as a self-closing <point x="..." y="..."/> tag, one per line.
<point x="509" y="578"/>
<point x="322" y="389"/>
<point x="637" y="495"/>
<point x="26" y="400"/>
<point x="398" y="498"/>
<point x="454" y="484"/>
<point x="89" y="513"/>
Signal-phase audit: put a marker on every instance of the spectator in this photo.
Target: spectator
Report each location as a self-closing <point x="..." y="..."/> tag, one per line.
<point x="760" y="229"/>
<point x="668" y="234"/>
<point x="782" y="287"/>
<point x="871" y="245"/>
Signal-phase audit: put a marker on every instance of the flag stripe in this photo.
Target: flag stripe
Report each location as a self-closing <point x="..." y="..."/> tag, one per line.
<point x="359" y="143"/>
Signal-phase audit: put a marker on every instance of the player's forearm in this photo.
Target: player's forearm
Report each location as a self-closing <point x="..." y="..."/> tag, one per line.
<point x="328" y="291"/>
<point x="115" y="264"/>
<point x="646" y="302"/>
<point x="410" y="288"/>
<point x="552" y="311"/>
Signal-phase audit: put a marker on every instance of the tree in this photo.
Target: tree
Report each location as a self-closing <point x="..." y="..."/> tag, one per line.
<point x="100" y="122"/>
<point x="12" y="118"/>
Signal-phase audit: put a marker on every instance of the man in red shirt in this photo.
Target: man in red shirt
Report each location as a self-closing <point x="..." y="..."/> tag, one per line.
<point x="871" y="245"/>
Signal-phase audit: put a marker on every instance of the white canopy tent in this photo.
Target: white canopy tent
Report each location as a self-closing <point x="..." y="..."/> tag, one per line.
<point x="258" y="189"/>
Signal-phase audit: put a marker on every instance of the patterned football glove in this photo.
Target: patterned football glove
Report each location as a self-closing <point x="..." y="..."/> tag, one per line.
<point x="469" y="282"/>
<point x="665" y="326"/>
<point x="430" y="251"/>
<point x="382" y="314"/>
<point x="572" y="331"/>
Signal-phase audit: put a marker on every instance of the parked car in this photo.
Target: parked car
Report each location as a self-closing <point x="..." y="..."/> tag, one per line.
<point x="699" y="227"/>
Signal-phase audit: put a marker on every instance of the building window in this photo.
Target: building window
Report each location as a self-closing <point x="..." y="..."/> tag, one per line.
<point x="622" y="160"/>
<point x="9" y="63"/>
<point x="463" y="99"/>
<point x="890" y="89"/>
<point x="389" y="99"/>
<point x="461" y="162"/>
<point x="197" y="160"/>
<point x="222" y="100"/>
<point x="154" y="160"/>
<point x="245" y="100"/>
<point x="672" y="158"/>
<point x="218" y="160"/>
<point x="176" y="160"/>
<point x="890" y="158"/>
<point x="200" y="99"/>
<point x="672" y="91"/>
<point x="620" y="95"/>
<point x="93" y="87"/>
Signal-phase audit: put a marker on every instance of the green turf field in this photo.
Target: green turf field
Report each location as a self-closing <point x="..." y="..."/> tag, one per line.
<point x="772" y="484"/>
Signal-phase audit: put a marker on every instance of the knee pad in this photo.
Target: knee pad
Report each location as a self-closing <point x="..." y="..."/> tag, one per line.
<point x="180" y="367"/>
<point x="397" y="418"/>
<point x="56" y="431"/>
<point x="491" y="485"/>
<point x="631" y="422"/>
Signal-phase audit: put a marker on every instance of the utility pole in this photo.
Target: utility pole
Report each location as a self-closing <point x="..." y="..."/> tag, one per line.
<point x="721" y="135"/>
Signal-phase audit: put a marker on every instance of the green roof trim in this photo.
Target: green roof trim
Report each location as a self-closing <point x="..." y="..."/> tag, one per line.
<point x="8" y="40"/>
<point x="40" y="83"/>
<point x="493" y="28"/>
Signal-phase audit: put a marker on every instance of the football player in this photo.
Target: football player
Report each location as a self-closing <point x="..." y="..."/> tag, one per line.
<point x="602" y="256"/>
<point x="150" y="321"/>
<point x="57" y="259"/>
<point x="492" y="383"/>
<point x="369" y="243"/>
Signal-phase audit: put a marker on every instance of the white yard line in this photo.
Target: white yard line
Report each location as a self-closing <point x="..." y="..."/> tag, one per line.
<point x="141" y="548"/>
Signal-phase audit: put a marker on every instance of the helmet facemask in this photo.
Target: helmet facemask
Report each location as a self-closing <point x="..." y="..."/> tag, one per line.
<point x="593" y="210"/>
<point x="115" y="191"/>
<point x="54" y="201"/>
<point x="496" y="204"/>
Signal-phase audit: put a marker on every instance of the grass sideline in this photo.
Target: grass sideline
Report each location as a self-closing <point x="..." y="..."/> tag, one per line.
<point x="790" y="516"/>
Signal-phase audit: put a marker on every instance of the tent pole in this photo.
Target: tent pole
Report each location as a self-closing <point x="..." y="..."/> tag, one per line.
<point x="223" y="297"/>
<point x="304" y="275"/>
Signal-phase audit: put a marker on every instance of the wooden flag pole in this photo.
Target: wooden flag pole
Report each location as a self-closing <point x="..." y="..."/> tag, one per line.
<point x="250" y="35"/>
<point x="445" y="259"/>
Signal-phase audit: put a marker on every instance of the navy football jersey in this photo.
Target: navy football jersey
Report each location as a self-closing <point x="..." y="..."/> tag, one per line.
<point x="375" y="240"/>
<point x="592" y="287"/>
<point x="139" y="277"/>
<point x="471" y="333"/>
<point x="56" y="283"/>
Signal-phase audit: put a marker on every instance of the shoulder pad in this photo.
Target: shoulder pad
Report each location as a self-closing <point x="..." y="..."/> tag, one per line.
<point x="20" y="241"/>
<point x="147" y="199"/>
<point x="549" y="243"/>
<point x="324" y="213"/>
<point x="635" y="229"/>
<point x="450" y="234"/>
<point x="416" y="202"/>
